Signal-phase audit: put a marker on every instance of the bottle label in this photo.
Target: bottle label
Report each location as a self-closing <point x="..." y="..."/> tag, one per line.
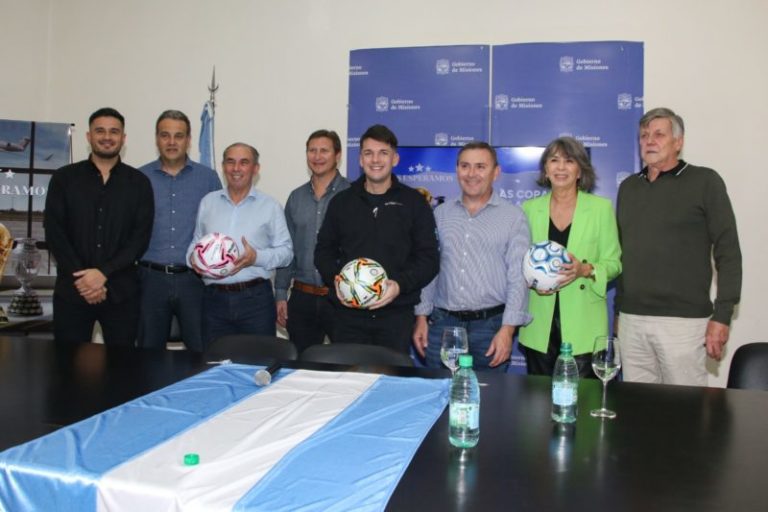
<point x="564" y="394"/>
<point x="465" y="415"/>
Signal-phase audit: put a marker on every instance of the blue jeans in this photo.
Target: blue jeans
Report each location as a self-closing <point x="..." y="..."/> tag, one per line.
<point x="165" y="295"/>
<point x="479" y="334"/>
<point x="250" y="311"/>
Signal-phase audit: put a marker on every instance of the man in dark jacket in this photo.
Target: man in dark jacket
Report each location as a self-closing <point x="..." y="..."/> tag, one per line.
<point x="381" y="219"/>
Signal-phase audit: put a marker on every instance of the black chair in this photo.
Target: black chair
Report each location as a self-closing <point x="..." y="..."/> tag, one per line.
<point x="749" y="367"/>
<point x="355" y="354"/>
<point x="251" y="349"/>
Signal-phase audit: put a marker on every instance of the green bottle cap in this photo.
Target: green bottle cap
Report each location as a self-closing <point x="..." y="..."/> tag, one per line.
<point x="191" y="459"/>
<point x="465" y="360"/>
<point x="566" y="348"/>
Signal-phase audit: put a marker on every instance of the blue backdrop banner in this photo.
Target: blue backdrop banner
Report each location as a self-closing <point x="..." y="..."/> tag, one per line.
<point x="430" y="96"/>
<point x="437" y="98"/>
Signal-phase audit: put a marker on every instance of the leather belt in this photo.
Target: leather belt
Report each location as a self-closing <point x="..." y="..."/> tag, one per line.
<point x="480" y="314"/>
<point x="320" y="291"/>
<point x="239" y="287"/>
<point x="168" y="269"/>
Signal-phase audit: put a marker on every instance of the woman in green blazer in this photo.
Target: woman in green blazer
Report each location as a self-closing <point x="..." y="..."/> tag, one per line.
<point x="586" y="225"/>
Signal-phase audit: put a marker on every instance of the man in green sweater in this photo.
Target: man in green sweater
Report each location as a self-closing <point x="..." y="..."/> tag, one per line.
<point x="674" y="218"/>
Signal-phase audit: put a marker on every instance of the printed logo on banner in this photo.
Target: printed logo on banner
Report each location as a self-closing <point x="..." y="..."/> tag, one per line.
<point x="441" y="139"/>
<point x="501" y="102"/>
<point x="624" y="101"/>
<point x="589" y="141"/>
<point x="382" y="104"/>
<point x="443" y="66"/>
<point x="566" y="64"/>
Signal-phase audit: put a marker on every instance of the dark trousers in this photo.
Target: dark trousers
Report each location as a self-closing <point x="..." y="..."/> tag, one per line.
<point x="165" y="295"/>
<point x="389" y="328"/>
<point x="539" y="363"/>
<point x="310" y="319"/>
<point x="73" y="322"/>
<point x="250" y="311"/>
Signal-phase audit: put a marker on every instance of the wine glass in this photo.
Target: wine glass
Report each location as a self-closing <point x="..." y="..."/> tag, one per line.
<point x="453" y="343"/>
<point x="606" y="363"/>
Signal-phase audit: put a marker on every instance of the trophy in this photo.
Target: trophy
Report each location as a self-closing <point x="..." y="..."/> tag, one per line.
<point x="6" y="242"/>
<point x="26" y="263"/>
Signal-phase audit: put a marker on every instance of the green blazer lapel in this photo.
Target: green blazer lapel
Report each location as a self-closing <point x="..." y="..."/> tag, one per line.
<point x="579" y="222"/>
<point x="540" y="219"/>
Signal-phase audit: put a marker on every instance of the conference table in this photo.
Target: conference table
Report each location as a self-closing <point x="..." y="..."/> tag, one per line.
<point x="671" y="448"/>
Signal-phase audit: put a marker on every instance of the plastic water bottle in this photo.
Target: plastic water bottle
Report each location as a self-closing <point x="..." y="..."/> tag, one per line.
<point x="464" y="407"/>
<point x="565" y="386"/>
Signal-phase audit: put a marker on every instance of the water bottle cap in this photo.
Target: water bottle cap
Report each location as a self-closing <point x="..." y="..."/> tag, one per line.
<point x="465" y="361"/>
<point x="566" y="348"/>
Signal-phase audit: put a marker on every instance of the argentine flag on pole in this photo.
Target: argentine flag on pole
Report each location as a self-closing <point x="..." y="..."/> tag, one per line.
<point x="205" y="145"/>
<point x="310" y="441"/>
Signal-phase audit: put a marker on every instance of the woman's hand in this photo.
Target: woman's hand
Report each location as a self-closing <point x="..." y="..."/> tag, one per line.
<point x="572" y="271"/>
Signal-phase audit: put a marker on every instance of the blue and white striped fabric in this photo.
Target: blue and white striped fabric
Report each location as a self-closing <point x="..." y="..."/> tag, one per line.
<point x="205" y="143"/>
<point x="309" y="441"/>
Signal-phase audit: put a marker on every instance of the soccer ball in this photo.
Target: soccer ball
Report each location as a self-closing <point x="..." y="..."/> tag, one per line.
<point x="361" y="282"/>
<point x="215" y="255"/>
<point x="542" y="264"/>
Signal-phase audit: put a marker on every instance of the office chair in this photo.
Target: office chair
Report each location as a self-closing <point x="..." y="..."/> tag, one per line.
<point x="354" y="354"/>
<point x="251" y="349"/>
<point x="749" y="367"/>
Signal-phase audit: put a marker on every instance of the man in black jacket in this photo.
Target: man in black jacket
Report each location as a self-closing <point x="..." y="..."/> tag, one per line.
<point x="381" y="219"/>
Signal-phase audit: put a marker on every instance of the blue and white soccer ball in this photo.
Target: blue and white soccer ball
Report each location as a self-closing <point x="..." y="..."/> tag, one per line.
<point x="542" y="264"/>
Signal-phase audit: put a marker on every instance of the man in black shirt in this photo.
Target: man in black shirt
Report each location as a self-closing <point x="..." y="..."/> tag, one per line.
<point x="98" y="220"/>
<point x="379" y="218"/>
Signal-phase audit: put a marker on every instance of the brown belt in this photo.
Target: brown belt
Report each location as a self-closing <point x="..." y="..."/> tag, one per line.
<point x="239" y="287"/>
<point x="320" y="291"/>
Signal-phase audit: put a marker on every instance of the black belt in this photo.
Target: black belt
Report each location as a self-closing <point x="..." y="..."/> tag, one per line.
<point x="239" y="287"/>
<point x="480" y="314"/>
<point x="168" y="269"/>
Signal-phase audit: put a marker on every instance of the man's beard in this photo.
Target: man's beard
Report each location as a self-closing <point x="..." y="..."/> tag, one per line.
<point x="106" y="154"/>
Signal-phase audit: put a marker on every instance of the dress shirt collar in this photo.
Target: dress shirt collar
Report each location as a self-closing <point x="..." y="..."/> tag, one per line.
<point x="157" y="166"/>
<point x="493" y="201"/>
<point x="112" y="170"/>
<point x="252" y="193"/>
<point x="331" y="186"/>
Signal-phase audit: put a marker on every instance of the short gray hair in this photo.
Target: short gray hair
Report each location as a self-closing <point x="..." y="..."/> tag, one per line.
<point x="254" y="153"/>
<point x="678" y="126"/>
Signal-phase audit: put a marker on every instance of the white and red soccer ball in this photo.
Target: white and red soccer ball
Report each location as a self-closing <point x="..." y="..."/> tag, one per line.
<point x="542" y="264"/>
<point x="215" y="255"/>
<point x="361" y="282"/>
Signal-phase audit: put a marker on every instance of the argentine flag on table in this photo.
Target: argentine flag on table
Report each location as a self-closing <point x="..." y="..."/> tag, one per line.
<point x="309" y="441"/>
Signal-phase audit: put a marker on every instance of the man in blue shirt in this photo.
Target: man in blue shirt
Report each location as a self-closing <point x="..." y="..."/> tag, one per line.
<point x="168" y="285"/>
<point x="480" y="286"/>
<point x="243" y="302"/>
<point x="308" y="315"/>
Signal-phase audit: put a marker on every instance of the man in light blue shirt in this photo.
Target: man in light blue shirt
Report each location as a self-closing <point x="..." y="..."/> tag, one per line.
<point x="168" y="286"/>
<point x="243" y="302"/>
<point x="480" y="285"/>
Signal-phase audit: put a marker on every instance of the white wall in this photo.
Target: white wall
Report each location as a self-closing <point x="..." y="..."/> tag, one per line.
<point x="282" y="66"/>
